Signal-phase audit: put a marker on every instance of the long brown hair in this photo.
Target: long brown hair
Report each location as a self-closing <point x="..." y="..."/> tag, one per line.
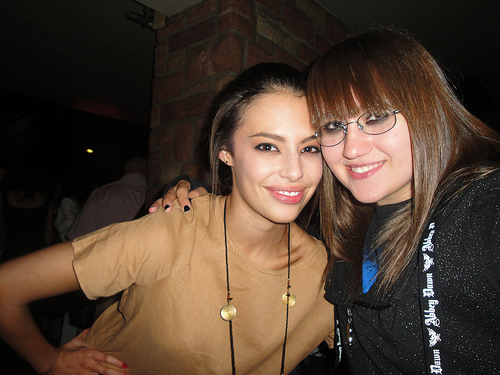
<point x="387" y="69"/>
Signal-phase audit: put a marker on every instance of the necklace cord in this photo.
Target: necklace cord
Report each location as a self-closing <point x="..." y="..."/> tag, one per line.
<point x="287" y="307"/>
<point x="231" y="339"/>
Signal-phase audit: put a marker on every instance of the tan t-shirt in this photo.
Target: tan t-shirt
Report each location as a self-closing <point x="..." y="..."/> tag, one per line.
<point x="172" y="268"/>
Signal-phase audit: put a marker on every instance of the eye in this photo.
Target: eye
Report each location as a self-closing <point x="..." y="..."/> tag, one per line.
<point x="266" y="147"/>
<point x="334" y="126"/>
<point x="311" y="149"/>
<point x="376" y="118"/>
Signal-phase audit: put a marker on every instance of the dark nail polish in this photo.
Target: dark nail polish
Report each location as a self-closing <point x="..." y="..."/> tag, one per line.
<point x="186" y="208"/>
<point x="167" y="206"/>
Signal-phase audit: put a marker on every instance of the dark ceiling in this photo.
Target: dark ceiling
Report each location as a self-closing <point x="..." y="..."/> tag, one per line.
<point x="76" y="73"/>
<point x="83" y="54"/>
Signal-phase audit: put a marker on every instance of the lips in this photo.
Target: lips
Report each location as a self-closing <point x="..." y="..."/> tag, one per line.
<point x="360" y="172"/>
<point x="287" y="196"/>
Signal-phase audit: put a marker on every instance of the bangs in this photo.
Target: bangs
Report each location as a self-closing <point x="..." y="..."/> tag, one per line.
<point x="364" y="73"/>
<point x="352" y="87"/>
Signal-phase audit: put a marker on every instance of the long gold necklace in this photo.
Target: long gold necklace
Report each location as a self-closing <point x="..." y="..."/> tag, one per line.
<point x="228" y="312"/>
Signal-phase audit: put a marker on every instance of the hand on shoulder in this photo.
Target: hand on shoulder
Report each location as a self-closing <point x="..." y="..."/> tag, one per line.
<point x="181" y="192"/>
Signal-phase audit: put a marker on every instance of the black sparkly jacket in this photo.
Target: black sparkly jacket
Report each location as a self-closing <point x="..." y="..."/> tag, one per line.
<point x="387" y="333"/>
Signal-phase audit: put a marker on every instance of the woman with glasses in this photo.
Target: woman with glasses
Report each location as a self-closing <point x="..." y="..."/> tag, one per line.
<point x="410" y="210"/>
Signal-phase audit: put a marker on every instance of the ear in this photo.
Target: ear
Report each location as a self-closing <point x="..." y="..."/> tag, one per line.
<point x="226" y="157"/>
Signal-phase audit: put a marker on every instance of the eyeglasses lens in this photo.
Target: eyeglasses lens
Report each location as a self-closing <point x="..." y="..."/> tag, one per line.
<point x="373" y="123"/>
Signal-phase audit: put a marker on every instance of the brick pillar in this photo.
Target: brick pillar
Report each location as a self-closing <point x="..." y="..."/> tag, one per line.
<point x="204" y="47"/>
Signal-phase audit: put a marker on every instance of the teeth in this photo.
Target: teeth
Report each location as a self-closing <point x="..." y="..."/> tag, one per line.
<point x="365" y="169"/>
<point x="289" y="193"/>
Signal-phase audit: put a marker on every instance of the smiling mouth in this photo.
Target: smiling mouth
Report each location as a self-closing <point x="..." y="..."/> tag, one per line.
<point x="287" y="196"/>
<point x="366" y="168"/>
<point x="289" y="193"/>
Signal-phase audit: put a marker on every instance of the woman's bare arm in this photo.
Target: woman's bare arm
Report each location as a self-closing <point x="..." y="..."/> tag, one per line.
<point x="45" y="273"/>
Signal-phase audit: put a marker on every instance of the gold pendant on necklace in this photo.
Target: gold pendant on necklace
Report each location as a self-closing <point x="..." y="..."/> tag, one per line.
<point x="228" y="312"/>
<point x="289" y="298"/>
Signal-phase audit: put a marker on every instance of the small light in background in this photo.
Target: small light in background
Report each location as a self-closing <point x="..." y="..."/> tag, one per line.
<point x="90" y="151"/>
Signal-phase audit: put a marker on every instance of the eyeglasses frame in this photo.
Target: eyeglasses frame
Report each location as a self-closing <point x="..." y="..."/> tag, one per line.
<point x="360" y="127"/>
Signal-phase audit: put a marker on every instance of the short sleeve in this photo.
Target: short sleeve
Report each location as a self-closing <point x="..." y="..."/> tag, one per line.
<point x="111" y="259"/>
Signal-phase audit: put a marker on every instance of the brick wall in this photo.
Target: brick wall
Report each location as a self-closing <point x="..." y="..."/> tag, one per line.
<point x="202" y="48"/>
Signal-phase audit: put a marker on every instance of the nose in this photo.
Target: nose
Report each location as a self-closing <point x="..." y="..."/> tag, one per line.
<point x="356" y="143"/>
<point x="292" y="168"/>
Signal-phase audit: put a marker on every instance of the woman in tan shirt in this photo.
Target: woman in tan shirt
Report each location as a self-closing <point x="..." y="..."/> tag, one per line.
<point x="231" y="287"/>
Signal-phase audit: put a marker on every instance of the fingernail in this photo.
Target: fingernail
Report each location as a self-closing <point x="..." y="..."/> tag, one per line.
<point x="167" y="206"/>
<point x="186" y="208"/>
<point x="190" y="200"/>
<point x="125" y="365"/>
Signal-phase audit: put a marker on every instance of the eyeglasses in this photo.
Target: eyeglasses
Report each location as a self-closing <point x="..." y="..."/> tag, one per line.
<point x="373" y="123"/>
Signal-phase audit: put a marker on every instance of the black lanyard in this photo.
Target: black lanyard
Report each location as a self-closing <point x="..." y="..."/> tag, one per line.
<point x="431" y="304"/>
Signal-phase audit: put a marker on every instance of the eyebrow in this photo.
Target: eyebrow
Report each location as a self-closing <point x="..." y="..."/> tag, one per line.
<point x="280" y="138"/>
